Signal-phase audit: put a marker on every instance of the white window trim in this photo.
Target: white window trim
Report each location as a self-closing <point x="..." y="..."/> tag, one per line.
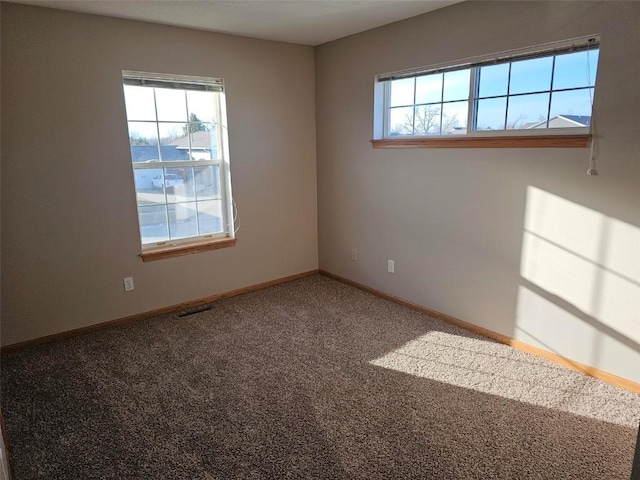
<point x="228" y="217"/>
<point x="382" y="92"/>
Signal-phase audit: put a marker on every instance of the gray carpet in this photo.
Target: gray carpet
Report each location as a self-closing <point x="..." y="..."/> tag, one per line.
<point x="311" y="379"/>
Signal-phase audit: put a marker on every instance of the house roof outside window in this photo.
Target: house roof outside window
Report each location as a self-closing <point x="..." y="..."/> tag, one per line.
<point x="559" y="121"/>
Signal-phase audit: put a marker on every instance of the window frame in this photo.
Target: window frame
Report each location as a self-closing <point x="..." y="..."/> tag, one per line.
<point x="576" y="136"/>
<point x="204" y="242"/>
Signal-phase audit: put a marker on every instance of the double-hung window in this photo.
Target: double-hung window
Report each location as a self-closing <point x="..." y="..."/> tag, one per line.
<point x="178" y="139"/>
<point x="542" y="90"/>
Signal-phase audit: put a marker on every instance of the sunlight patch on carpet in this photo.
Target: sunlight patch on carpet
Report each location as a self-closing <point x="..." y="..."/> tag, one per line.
<point x="499" y="370"/>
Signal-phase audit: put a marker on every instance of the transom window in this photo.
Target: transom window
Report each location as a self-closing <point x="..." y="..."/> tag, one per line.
<point x="178" y="140"/>
<point x="530" y="92"/>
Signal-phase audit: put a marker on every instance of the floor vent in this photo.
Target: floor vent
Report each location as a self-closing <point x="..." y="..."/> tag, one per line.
<point x="193" y="311"/>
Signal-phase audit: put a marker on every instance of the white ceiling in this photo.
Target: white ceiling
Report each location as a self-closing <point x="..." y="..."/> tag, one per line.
<point x="307" y="22"/>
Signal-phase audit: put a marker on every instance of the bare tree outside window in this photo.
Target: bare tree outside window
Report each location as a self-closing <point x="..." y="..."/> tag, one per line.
<point x="428" y="120"/>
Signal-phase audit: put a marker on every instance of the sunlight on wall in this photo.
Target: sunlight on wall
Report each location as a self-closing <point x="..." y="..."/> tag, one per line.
<point x="543" y="323"/>
<point x="585" y="258"/>
<point x="581" y="300"/>
<point x="496" y="369"/>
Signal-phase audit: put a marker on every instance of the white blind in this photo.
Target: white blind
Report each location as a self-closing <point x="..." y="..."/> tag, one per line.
<point x="143" y="79"/>
<point x="591" y="42"/>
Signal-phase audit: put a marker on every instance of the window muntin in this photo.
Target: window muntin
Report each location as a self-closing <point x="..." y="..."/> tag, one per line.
<point x="429" y="104"/>
<point x="177" y="137"/>
<point x="531" y="93"/>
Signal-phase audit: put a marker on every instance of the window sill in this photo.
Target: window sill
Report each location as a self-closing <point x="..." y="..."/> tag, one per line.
<point x="160" y="253"/>
<point x="537" y="141"/>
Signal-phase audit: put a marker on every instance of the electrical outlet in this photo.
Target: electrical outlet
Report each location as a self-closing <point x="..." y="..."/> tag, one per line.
<point x="128" y="284"/>
<point x="354" y="254"/>
<point x="391" y="266"/>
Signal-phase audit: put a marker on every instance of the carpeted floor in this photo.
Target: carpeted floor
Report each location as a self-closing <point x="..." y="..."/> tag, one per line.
<point x="311" y="379"/>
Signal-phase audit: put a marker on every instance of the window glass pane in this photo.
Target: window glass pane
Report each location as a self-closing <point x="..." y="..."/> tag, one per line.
<point x="189" y="192"/>
<point x="210" y="217"/>
<point x="143" y="134"/>
<point x="182" y="220"/>
<point x="571" y="108"/>
<point x="494" y="80"/>
<point x="207" y="182"/>
<point x="527" y="110"/>
<point x="531" y="75"/>
<point x="456" y="85"/>
<point x="171" y="105"/>
<point x="202" y="106"/>
<point x="454" y="118"/>
<point x="429" y="89"/>
<point x="491" y="114"/>
<point x="427" y="121"/>
<point x="148" y="182"/>
<point x="139" y="103"/>
<point x="153" y="223"/>
<point x="401" y="121"/>
<point x="174" y="143"/>
<point x="174" y="184"/>
<point x="575" y="70"/>
<point x="180" y="184"/>
<point x="402" y="92"/>
<point x="204" y="141"/>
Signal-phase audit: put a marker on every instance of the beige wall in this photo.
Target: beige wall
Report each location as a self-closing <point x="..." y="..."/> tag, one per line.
<point x="519" y="241"/>
<point x="69" y="226"/>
